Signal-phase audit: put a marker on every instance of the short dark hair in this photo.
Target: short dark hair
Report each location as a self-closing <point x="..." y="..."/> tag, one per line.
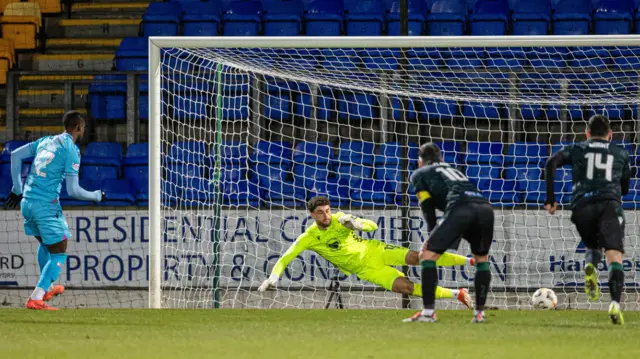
<point x="316" y="202"/>
<point x="430" y="152"/>
<point x="599" y="126"/>
<point x="72" y="119"/>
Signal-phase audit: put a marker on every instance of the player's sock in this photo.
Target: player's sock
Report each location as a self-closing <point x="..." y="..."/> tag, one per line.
<point x="51" y="270"/>
<point x="593" y="256"/>
<point x="482" y="281"/>
<point x="37" y="294"/>
<point x="616" y="281"/>
<point x="43" y="256"/>
<point x="450" y="260"/>
<point x="429" y="284"/>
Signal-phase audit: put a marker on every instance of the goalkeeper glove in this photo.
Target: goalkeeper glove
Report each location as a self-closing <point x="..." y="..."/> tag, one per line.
<point x="13" y="201"/>
<point x="270" y="282"/>
<point x="350" y="222"/>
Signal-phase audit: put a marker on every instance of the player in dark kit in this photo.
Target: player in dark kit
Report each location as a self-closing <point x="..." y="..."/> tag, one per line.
<point x="600" y="178"/>
<point x="467" y="215"/>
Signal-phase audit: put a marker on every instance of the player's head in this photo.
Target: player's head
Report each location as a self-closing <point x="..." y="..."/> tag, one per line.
<point x="429" y="153"/>
<point x="320" y="210"/>
<point x="599" y="128"/>
<point x="74" y="124"/>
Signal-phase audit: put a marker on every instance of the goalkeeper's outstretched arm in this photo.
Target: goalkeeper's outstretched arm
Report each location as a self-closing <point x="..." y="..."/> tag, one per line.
<point x="296" y="248"/>
<point x="357" y="224"/>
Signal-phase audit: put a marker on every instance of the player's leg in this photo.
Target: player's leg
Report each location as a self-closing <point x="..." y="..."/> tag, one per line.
<point x="480" y="237"/>
<point x="447" y="259"/>
<point x="611" y="229"/>
<point x="43" y="258"/>
<point x="586" y="221"/>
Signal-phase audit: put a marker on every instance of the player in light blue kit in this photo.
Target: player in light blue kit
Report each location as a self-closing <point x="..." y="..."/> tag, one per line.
<point x="56" y="158"/>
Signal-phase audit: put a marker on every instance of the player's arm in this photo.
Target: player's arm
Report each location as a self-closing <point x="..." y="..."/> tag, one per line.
<point x="559" y="159"/>
<point x="426" y="202"/>
<point x="71" y="169"/>
<point x="626" y="177"/>
<point x="357" y="224"/>
<point x="292" y="252"/>
<point x="17" y="156"/>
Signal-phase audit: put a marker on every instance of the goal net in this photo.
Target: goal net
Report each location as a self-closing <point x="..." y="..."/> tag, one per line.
<point x="245" y="131"/>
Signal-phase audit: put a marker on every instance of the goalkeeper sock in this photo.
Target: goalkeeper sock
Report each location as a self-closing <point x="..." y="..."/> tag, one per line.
<point x="482" y="281"/>
<point x="616" y="281"/>
<point x="440" y="292"/>
<point x="450" y="260"/>
<point x="593" y="256"/>
<point x="51" y="271"/>
<point x="43" y="256"/>
<point x="429" y="283"/>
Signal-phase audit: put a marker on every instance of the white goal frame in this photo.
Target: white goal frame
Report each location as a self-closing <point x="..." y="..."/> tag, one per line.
<point x="158" y="43"/>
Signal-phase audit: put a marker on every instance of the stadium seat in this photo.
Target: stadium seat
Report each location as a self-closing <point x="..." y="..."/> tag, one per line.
<point x="137" y="155"/>
<point x="356" y="152"/>
<point x="390" y="153"/>
<point x="463" y="59"/>
<point x="367" y="192"/>
<point x="191" y="100"/>
<point x="138" y="176"/>
<point x="490" y="17"/>
<point x="484" y="153"/>
<point x="416" y="18"/>
<point x="355" y="106"/>
<point x="278" y="188"/>
<point x="243" y="18"/>
<point x="103" y="154"/>
<point x="347" y="174"/>
<point x="482" y="175"/>
<point x="283" y="17"/>
<point x="313" y="153"/>
<point x="132" y="54"/>
<point x="49" y="6"/>
<point x="572" y="17"/>
<point x="5" y="187"/>
<point x="502" y="193"/>
<point x="563" y="185"/>
<point x="161" y="19"/>
<point x="267" y="152"/>
<point x="234" y="154"/>
<point x="117" y="193"/>
<point x="21" y="23"/>
<point x="629" y="201"/>
<point x="107" y="95"/>
<point x="10" y="146"/>
<point x="338" y="194"/>
<point x="277" y="102"/>
<point x="7" y="58"/>
<point x="237" y="190"/>
<point x="447" y="18"/>
<point x="366" y="19"/>
<point x="527" y="153"/>
<point x="451" y="152"/>
<point x="325" y="18"/>
<point x="201" y="18"/>
<point x="184" y="152"/>
<point x="182" y="174"/>
<point x="613" y="17"/>
<point x="310" y="177"/>
<point x="529" y="183"/>
<point x="532" y="17"/>
<point x="98" y="172"/>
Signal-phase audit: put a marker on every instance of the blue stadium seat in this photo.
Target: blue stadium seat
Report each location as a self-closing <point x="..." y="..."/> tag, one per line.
<point x="438" y="108"/>
<point x="313" y="153"/>
<point x="391" y="176"/>
<point x="10" y="146"/>
<point x="484" y="152"/>
<point x="447" y="18"/>
<point x="356" y="152"/>
<point x="466" y="58"/>
<point x="347" y="174"/>
<point x="563" y="185"/>
<point x="5" y="187"/>
<point x="132" y="54"/>
<point x="572" y="17"/>
<point x="183" y="152"/>
<point x="490" y="17"/>
<point x="136" y="170"/>
<point x="277" y="101"/>
<point x="325" y="18"/>
<point x="529" y="183"/>
<point x="450" y="151"/>
<point x="117" y="193"/>
<point x="243" y="18"/>
<point x="527" y="153"/>
<point x="366" y="19"/>
<point x="532" y="17"/>
<point x="390" y="154"/>
<point x="107" y="96"/>
<point x="613" y="17"/>
<point x="103" y="154"/>
<point x="483" y="175"/>
<point x="237" y="190"/>
<point x="416" y="18"/>
<point x="278" y="152"/>
<point x="182" y="174"/>
<point x="201" y="18"/>
<point x="190" y="100"/>
<point x="138" y="176"/>
<point x="632" y="199"/>
<point x="234" y="154"/>
<point x="502" y="193"/>
<point x="338" y="194"/>
<point x="472" y="109"/>
<point x="512" y="58"/>
<point x="161" y="19"/>
<point x="356" y="106"/>
<point x="278" y="188"/>
<point x="368" y="192"/>
<point x="98" y="173"/>
<point x="143" y="99"/>
<point x="137" y="155"/>
<point x="283" y="17"/>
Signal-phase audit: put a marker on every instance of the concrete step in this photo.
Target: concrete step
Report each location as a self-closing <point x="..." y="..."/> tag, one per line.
<point x="43" y="79"/>
<point x="93" y="28"/>
<point x="74" y="62"/>
<point x="81" y="43"/>
<point x="100" y="9"/>
<point x="36" y="98"/>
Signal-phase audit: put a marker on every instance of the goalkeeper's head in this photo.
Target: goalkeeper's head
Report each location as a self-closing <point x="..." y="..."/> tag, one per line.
<point x="599" y="128"/>
<point x="429" y="153"/>
<point x="320" y="210"/>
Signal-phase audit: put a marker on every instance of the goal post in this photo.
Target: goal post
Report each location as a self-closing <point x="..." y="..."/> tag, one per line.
<point x="223" y="207"/>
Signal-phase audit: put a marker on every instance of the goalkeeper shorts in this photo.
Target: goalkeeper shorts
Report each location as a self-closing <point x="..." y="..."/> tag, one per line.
<point x="378" y="265"/>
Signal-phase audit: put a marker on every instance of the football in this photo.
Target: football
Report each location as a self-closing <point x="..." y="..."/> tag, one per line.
<point x="544" y="298"/>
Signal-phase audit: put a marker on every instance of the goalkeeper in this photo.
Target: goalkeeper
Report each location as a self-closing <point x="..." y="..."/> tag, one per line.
<point x="333" y="237"/>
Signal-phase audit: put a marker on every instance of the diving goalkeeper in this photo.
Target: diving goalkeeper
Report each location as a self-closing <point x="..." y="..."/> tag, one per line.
<point x="333" y="237"/>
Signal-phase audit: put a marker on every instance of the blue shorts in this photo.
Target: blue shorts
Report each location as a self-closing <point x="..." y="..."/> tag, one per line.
<point x="45" y="220"/>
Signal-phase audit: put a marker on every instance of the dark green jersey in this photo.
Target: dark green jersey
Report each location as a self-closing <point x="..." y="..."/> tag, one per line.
<point x="600" y="170"/>
<point x="445" y="185"/>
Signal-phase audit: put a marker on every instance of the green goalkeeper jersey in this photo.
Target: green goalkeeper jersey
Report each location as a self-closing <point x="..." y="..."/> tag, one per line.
<point x="338" y="244"/>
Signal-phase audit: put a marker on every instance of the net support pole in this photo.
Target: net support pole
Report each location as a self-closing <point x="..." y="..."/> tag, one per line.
<point x="404" y="144"/>
<point x="155" y="142"/>
<point x="514" y="119"/>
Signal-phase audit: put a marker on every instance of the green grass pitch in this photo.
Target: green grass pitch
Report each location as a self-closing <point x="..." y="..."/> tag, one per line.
<point x="235" y="333"/>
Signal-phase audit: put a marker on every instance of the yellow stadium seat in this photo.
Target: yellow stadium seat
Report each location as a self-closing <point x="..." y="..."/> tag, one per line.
<point x="7" y="58"/>
<point x="4" y="3"/>
<point x="49" y="6"/>
<point x="21" y="22"/>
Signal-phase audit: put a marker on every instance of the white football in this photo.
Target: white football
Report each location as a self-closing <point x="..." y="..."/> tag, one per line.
<point x="544" y="298"/>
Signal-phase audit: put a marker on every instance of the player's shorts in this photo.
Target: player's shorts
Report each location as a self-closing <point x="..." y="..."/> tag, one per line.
<point x="378" y="264"/>
<point x="45" y="220"/>
<point x="472" y="221"/>
<point x="600" y="224"/>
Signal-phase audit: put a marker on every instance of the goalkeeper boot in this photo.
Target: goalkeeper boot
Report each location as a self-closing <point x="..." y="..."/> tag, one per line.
<point x="478" y="318"/>
<point x="38" y="305"/>
<point x="465" y="298"/>
<point x="591" y="282"/>
<point x="55" y="291"/>
<point x="615" y="314"/>
<point x="419" y="317"/>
